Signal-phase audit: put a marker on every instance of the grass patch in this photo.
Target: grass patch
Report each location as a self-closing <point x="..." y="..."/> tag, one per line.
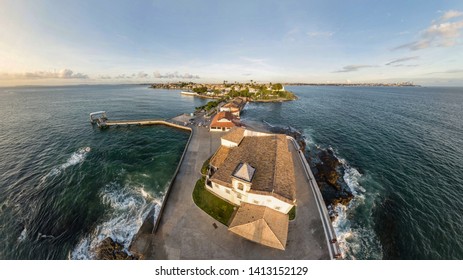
<point x="205" y="166"/>
<point x="292" y="213"/>
<point x="215" y="207"/>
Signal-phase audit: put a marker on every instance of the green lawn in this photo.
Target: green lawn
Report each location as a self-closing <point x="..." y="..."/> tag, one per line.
<point x="217" y="208"/>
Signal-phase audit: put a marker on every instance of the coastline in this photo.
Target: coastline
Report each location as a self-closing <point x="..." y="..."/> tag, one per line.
<point x="252" y="92"/>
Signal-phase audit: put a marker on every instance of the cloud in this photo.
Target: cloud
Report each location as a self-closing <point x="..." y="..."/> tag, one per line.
<point x="320" y="34"/>
<point x="122" y="76"/>
<point x="405" y="65"/>
<point x="451" y="14"/>
<point x="402" y="60"/>
<point x="442" y="33"/>
<point x="104" y="77"/>
<point x="451" y="71"/>
<point x="62" y="74"/>
<point x="352" y="68"/>
<point x="174" y="75"/>
<point x="142" y="75"/>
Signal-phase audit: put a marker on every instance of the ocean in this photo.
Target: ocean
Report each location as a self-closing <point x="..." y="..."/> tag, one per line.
<point x="66" y="185"/>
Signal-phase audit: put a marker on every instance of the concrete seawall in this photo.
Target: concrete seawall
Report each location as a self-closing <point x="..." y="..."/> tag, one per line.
<point x="331" y="240"/>
<point x="164" y="201"/>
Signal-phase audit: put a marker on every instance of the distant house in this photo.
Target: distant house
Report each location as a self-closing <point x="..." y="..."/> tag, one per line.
<point x="235" y="106"/>
<point x="255" y="171"/>
<point x="223" y="121"/>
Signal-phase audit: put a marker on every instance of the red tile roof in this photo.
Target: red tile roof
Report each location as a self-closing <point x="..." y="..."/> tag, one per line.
<point x="221" y="116"/>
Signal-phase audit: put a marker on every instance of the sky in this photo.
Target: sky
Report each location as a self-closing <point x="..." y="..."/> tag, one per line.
<point x="44" y="42"/>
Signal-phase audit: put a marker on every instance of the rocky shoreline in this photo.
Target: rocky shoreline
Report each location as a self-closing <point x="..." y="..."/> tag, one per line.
<point x="329" y="173"/>
<point x="109" y="249"/>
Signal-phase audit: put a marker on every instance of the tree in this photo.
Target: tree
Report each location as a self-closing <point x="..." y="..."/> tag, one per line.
<point x="277" y="86"/>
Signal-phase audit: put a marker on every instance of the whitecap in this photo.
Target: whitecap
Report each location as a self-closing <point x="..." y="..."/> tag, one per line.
<point x="129" y="207"/>
<point x="354" y="239"/>
<point x="23" y="235"/>
<point x="76" y="158"/>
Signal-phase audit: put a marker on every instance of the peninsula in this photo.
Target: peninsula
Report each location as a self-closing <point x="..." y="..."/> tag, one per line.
<point x="252" y="91"/>
<point x="350" y="84"/>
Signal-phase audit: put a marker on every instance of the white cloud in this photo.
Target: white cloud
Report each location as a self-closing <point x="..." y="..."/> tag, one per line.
<point x="174" y="75"/>
<point x="142" y="75"/>
<point x="62" y="74"/>
<point x="104" y="77"/>
<point x="394" y="62"/>
<point x="122" y="76"/>
<point x="451" y="71"/>
<point x="451" y="14"/>
<point x="352" y="68"/>
<point x="442" y="33"/>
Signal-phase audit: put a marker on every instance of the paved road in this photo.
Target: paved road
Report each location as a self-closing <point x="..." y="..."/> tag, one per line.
<point x="186" y="232"/>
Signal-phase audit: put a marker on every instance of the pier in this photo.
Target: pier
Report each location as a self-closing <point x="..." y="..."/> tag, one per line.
<point x="145" y="122"/>
<point x="102" y="121"/>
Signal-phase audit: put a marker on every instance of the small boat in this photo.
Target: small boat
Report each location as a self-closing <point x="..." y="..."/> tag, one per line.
<point x="100" y="115"/>
<point x="188" y="93"/>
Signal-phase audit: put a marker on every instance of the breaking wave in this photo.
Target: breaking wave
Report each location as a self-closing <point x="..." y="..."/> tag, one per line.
<point x="23" y="235"/>
<point x="128" y="208"/>
<point x="355" y="239"/>
<point x="76" y="158"/>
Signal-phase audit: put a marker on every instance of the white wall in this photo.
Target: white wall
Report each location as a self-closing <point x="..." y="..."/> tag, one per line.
<point x="218" y="129"/>
<point x="227" y="143"/>
<point x="255" y="133"/>
<point x="252" y="198"/>
<point x="269" y="201"/>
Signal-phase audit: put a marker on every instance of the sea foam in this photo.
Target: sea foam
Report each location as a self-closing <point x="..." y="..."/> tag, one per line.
<point x="76" y="158"/>
<point x="353" y="238"/>
<point x="128" y="208"/>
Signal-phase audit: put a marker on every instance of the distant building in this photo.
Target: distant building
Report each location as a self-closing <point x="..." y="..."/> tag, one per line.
<point x="255" y="171"/>
<point x="223" y="121"/>
<point x="235" y="106"/>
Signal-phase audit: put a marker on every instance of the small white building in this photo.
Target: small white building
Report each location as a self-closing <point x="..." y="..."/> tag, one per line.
<point x="222" y="121"/>
<point x="254" y="168"/>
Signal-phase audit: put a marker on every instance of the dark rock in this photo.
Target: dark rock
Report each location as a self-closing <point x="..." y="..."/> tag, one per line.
<point x="111" y="250"/>
<point x="328" y="173"/>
